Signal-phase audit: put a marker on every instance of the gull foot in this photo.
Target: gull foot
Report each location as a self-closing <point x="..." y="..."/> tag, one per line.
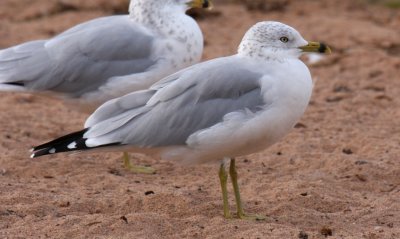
<point x="140" y="169"/>
<point x="254" y="217"/>
<point x="136" y="169"/>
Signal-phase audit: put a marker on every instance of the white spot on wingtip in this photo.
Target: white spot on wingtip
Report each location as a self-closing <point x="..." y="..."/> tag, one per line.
<point x="72" y="145"/>
<point x="52" y="151"/>
<point x="32" y="156"/>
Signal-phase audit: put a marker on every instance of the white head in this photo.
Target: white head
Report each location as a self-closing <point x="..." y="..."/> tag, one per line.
<point x="275" y="40"/>
<point x="152" y="5"/>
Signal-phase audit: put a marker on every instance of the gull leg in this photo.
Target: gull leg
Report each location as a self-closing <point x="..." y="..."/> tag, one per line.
<point x="223" y="178"/>
<point x="240" y="211"/>
<point x="136" y="169"/>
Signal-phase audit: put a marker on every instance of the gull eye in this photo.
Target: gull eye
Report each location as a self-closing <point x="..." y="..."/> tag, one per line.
<point x="284" y="39"/>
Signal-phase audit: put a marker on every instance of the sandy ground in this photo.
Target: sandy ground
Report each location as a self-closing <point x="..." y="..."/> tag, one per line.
<point x="336" y="175"/>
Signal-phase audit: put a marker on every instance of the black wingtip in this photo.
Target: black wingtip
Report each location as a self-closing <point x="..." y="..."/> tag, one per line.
<point x="60" y="144"/>
<point x="62" y="140"/>
<point x="15" y="83"/>
<point x="68" y="143"/>
<point x="43" y="152"/>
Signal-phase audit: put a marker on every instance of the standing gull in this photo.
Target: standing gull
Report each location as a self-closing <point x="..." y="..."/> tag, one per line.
<point x="107" y="57"/>
<point x="212" y="111"/>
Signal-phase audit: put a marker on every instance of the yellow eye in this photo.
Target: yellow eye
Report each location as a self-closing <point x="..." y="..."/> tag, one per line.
<point x="284" y="39"/>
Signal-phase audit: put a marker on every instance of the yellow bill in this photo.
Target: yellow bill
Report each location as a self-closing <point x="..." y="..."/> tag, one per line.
<point x="316" y="47"/>
<point x="200" y="4"/>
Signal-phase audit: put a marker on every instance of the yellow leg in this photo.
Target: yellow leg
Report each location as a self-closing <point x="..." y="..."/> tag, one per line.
<point x="134" y="168"/>
<point x="223" y="178"/>
<point x="240" y="211"/>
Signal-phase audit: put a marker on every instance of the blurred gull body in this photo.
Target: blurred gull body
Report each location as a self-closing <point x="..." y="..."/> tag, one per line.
<point x="107" y="57"/>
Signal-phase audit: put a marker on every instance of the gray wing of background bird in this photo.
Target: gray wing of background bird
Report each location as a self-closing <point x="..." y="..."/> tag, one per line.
<point x="80" y="59"/>
<point x="198" y="99"/>
<point x="130" y="101"/>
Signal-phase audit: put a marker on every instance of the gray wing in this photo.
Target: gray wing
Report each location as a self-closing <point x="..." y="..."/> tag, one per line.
<point x="132" y="100"/>
<point x="198" y="99"/>
<point x="80" y="59"/>
<point x="119" y="106"/>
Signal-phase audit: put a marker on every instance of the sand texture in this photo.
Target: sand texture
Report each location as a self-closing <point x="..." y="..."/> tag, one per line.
<point x="336" y="175"/>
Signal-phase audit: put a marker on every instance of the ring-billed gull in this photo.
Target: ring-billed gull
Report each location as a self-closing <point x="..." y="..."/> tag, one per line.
<point x="107" y="57"/>
<point x="215" y="110"/>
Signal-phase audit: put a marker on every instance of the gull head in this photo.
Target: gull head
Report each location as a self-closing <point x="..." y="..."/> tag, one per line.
<point x="275" y="40"/>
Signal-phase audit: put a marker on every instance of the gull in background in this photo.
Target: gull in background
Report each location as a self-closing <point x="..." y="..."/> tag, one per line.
<point x="210" y="112"/>
<point x="107" y="57"/>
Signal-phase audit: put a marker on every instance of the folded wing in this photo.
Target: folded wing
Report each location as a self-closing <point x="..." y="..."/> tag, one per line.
<point x="80" y="59"/>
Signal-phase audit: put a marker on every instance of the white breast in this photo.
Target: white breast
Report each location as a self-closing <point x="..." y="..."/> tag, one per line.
<point x="184" y="45"/>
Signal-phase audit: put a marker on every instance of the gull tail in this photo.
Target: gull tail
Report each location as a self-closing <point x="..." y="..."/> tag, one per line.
<point x="68" y="143"/>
